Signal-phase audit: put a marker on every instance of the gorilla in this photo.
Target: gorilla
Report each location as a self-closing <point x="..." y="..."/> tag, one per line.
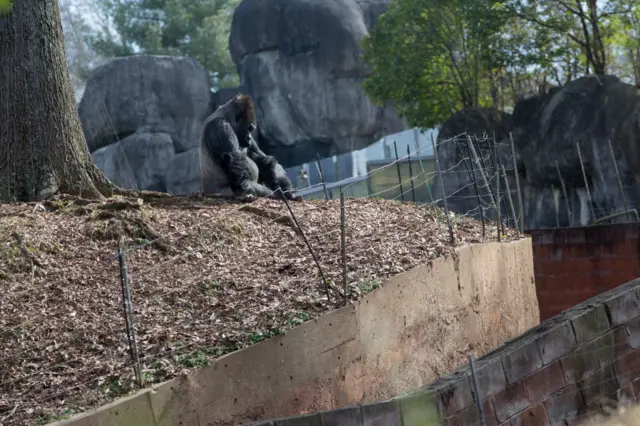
<point x="231" y="163"/>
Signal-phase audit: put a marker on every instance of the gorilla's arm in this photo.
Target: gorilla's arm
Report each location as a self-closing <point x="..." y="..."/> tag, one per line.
<point x="271" y="173"/>
<point x="256" y="154"/>
<point x="242" y="176"/>
<point x="223" y="146"/>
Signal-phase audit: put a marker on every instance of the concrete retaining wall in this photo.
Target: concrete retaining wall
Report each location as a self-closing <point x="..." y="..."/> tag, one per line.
<point x="570" y="367"/>
<point x="418" y="326"/>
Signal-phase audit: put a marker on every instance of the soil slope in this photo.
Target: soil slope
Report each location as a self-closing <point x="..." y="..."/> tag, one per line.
<point x="208" y="276"/>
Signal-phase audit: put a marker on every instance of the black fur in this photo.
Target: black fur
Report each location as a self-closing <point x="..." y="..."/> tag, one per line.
<point x="270" y="173"/>
<point x="224" y="148"/>
<point x="226" y="144"/>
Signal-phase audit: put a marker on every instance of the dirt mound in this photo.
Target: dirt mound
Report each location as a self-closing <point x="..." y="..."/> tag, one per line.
<point x="208" y="276"/>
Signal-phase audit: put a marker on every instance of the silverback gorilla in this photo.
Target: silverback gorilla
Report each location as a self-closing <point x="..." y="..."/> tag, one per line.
<point x="231" y="163"/>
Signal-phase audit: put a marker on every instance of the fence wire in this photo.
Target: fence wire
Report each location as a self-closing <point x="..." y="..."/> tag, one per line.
<point x="226" y="276"/>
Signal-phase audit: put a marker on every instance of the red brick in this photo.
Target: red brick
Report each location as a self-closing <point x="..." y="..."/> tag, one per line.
<point x="540" y="252"/>
<point x="533" y="416"/>
<point x="571" y="236"/>
<point x="598" y="385"/>
<point x="636" y="389"/>
<point x="568" y="268"/>
<point x="628" y="367"/>
<point x="578" y="250"/>
<point x="522" y="361"/>
<point x="564" y="404"/>
<point x="554" y="253"/>
<point x="548" y="267"/>
<point x="489" y="413"/>
<point x="542" y="237"/>
<point x="511" y="401"/>
<point x="545" y="381"/>
<point x="620" y="264"/>
<point x="557" y="342"/>
<point x="547" y="312"/>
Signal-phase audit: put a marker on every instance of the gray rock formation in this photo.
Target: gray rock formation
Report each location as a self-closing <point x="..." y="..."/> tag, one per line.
<point x="546" y="130"/>
<point x="140" y="113"/>
<point x="183" y="175"/>
<point x="301" y="62"/>
<point x="139" y="161"/>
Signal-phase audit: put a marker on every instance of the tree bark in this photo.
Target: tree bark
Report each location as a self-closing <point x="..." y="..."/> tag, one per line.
<point x="42" y="147"/>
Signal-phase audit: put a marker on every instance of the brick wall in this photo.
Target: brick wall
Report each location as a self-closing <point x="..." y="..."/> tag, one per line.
<point x="567" y="368"/>
<point x="575" y="264"/>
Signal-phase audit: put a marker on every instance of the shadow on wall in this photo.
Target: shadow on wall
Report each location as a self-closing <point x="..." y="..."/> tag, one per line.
<point x="575" y="264"/>
<point x="561" y="372"/>
<point x="419" y="324"/>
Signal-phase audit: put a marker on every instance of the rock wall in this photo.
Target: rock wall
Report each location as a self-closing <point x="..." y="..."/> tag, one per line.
<point x="300" y="61"/>
<point x="141" y="117"/>
<point x="546" y="130"/>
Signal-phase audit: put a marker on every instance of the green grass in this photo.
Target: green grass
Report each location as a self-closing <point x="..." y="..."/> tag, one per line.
<point x="367" y="285"/>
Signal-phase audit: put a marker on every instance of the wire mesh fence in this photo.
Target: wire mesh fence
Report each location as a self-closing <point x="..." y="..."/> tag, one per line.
<point x="196" y="278"/>
<point x="199" y="277"/>
<point x="204" y="277"/>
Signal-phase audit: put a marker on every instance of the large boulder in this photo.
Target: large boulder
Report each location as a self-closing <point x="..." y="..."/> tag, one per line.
<point x="300" y="60"/>
<point x="594" y="113"/>
<point x="139" y="161"/>
<point x="138" y="112"/>
<point x="183" y="175"/>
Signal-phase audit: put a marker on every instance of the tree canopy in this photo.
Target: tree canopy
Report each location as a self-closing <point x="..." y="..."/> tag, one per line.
<point x="433" y="58"/>
<point x="5" y="5"/>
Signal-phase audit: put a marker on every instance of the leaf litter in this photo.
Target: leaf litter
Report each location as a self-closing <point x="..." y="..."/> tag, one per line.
<point x="208" y="276"/>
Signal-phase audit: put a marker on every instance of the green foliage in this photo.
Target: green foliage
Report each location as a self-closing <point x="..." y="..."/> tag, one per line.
<point x="5" y="6"/>
<point x="300" y="318"/>
<point x="367" y="285"/>
<point x="257" y="337"/>
<point x="195" y="28"/>
<point x="196" y="359"/>
<point x="624" y="45"/>
<point x="433" y="58"/>
<point x="583" y="27"/>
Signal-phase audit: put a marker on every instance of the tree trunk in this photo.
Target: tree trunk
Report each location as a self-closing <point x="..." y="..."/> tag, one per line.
<point x="42" y="147"/>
